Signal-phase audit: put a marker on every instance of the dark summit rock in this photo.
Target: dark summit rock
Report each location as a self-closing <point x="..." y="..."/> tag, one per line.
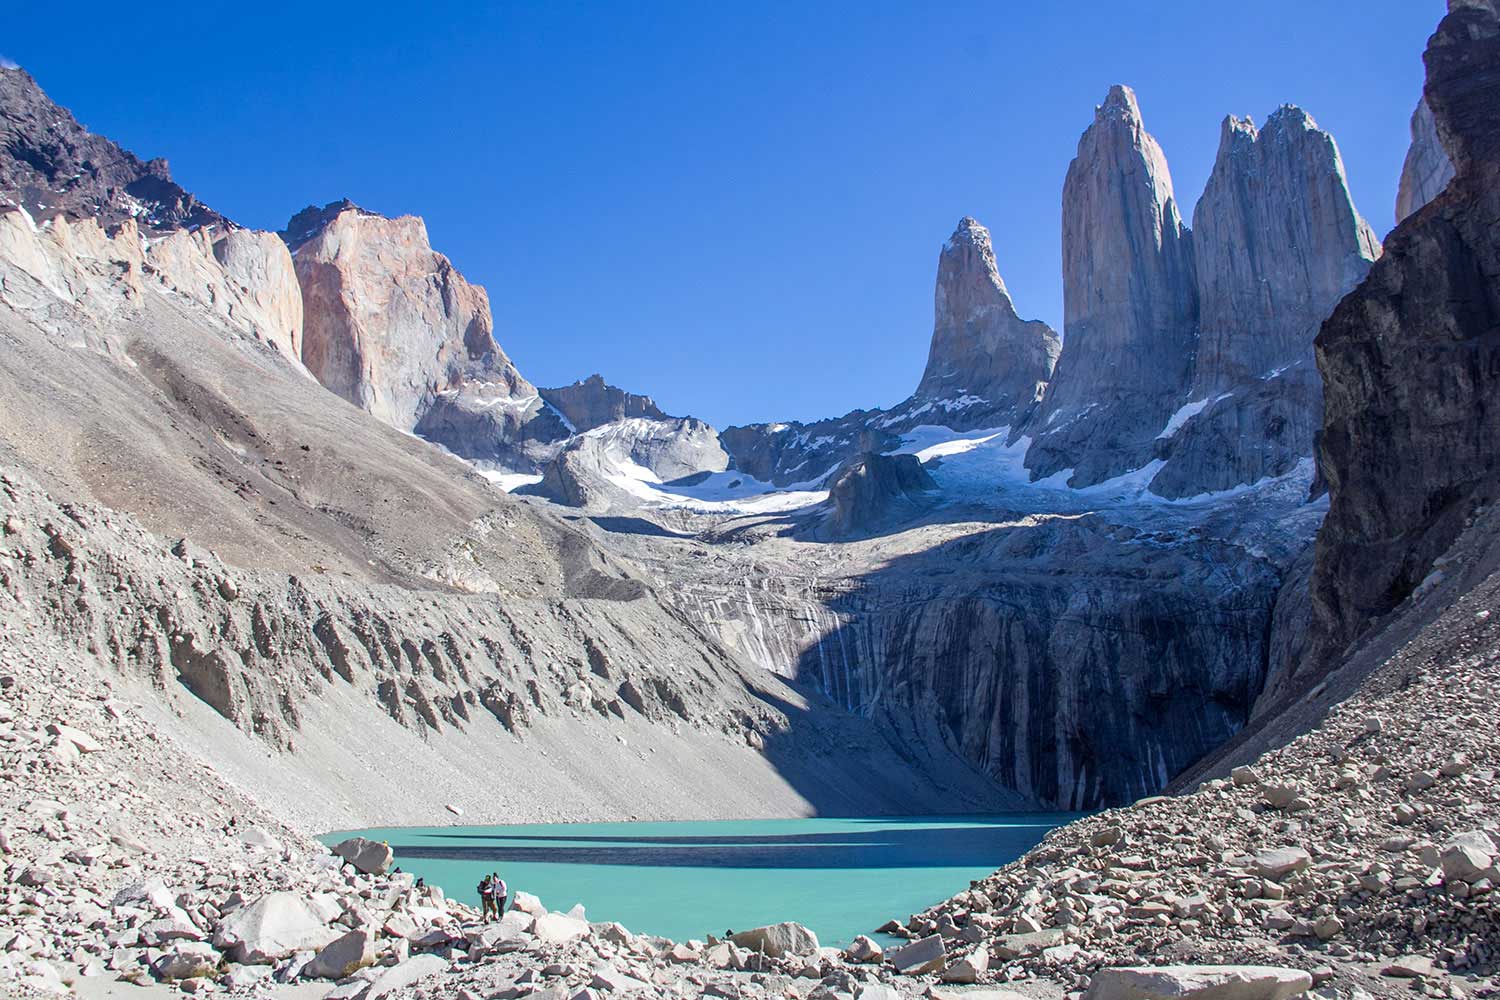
<point x="51" y="166"/>
<point x="1411" y="361"/>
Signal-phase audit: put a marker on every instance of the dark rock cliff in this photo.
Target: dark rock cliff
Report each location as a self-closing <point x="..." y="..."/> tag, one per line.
<point x="1411" y="362"/>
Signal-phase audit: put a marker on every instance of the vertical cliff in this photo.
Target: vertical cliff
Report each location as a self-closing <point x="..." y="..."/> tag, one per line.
<point x="1129" y="304"/>
<point x="1427" y="169"/>
<point x="392" y="327"/>
<point x="1277" y="242"/>
<point x="1411" y="362"/>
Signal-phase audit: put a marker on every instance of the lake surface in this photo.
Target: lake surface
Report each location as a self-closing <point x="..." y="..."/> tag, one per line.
<point x="841" y="877"/>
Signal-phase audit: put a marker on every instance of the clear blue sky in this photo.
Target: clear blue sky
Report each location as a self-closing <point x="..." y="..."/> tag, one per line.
<point x="736" y="208"/>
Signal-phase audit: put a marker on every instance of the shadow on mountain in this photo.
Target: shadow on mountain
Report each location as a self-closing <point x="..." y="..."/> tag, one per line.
<point x="636" y="526"/>
<point x="1075" y="661"/>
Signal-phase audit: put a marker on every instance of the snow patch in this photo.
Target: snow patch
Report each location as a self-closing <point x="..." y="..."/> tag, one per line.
<point x="1186" y="412"/>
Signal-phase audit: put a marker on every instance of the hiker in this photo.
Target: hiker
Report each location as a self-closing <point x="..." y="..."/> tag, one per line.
<point x="486" y="898"/>
<point x="500" y="894"/>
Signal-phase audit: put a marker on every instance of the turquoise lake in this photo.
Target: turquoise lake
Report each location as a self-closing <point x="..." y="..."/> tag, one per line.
<point x="841" y="877"/>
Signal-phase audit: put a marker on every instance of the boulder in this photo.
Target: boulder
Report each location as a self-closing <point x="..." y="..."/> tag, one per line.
<point x="1198" y="982"/>
<point x="863" y="949"/>
<point x="919" y="957"/>
<point x="1468" y="856"/>
<point x="398" y="977"/>
<point x="968" y="968"/>
<point x="343" y="956"/>
<point x="275" y="926"/>
<point x="368" y="856"/>
<point x="555" y="928"/>
<point x="778" y="940"/>
<point x="80" y="739"/>
<point x="527" y="903"/>
<point x="187" y="960"/>
<point x="1281" y="862"/>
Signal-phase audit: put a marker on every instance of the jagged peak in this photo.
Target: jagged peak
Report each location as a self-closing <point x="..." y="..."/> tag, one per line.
<point x="312" y="220"/>
<point x="1120" y="104"/>
<point x="1291" y="116"/>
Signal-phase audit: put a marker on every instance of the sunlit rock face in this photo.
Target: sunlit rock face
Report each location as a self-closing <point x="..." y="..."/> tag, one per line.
<point x="1277" y="242"/>
<point x="981" y="349"/>
<point x="1130" y="304"/>
<point x="391" y="326"/>
<point x="1427" y="169"/>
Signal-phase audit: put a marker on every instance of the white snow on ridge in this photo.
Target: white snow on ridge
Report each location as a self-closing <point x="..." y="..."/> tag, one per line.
<point x="1186" y="412"/>
<point x="509" y="481"/>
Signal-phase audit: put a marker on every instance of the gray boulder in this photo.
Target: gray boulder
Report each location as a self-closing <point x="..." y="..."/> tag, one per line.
<point x="369" y="856"/>
<point x="778" y="940"/>
<point x="1198" y="982"/>
<point x="343" y="956"/>
<point x="922" y="956"/>
<point x="275" y="926"/>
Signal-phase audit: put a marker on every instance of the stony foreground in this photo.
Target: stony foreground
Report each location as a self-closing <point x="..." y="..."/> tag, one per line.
<point x="1368" y="848"/>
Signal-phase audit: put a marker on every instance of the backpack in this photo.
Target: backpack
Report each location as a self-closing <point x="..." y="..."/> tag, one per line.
<point x="484" y="886"/>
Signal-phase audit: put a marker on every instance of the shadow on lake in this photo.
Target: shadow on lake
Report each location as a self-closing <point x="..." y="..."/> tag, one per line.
<point x="890" y="844"/>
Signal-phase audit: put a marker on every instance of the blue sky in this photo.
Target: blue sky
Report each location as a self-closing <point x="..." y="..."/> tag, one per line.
<point x="736" y="208"/>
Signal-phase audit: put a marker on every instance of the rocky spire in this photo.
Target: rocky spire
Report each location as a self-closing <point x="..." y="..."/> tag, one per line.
<point x="1277" y="242"/>
<point x="1130" y="304"/>
<point x="1427" y="169"/>
<point x="980" y="346"/>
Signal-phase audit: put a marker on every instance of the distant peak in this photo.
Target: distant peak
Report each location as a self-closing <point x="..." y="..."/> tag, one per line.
<point x="1120" y="104"/>
<point x="1289" y="116"/>
<point x="968" y="233"/>
<point x="312" y="220"/>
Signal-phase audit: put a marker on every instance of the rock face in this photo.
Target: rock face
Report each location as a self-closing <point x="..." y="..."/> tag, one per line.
<point x="1277" y="242"/>
<point x="54" y="167"/>
<point x="591" y="402"/>
<point x="1427" y="169"/>
<point x="982" y="353"/>
<point x="392" y="327"/>
<point x="1129" y="303"/>
<point x="877" y="491"/>
<point x="1411" y="364"/>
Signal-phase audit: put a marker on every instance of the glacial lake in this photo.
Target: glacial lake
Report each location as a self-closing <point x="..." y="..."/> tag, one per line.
<point x="841" y="877"/>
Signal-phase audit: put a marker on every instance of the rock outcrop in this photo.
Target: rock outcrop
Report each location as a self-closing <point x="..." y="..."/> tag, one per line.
<point x="1427" y="169"/>
<point x="392" y="327"/>
<point x="983" y="356"/>
<point x="53" y="167"/>
<point x="1277" y="242"/>
<point x="592" y="402"/>
<point x="875" y="492"/>
<point x="1411" y="362"/>
<point x="1130" y="305"/>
